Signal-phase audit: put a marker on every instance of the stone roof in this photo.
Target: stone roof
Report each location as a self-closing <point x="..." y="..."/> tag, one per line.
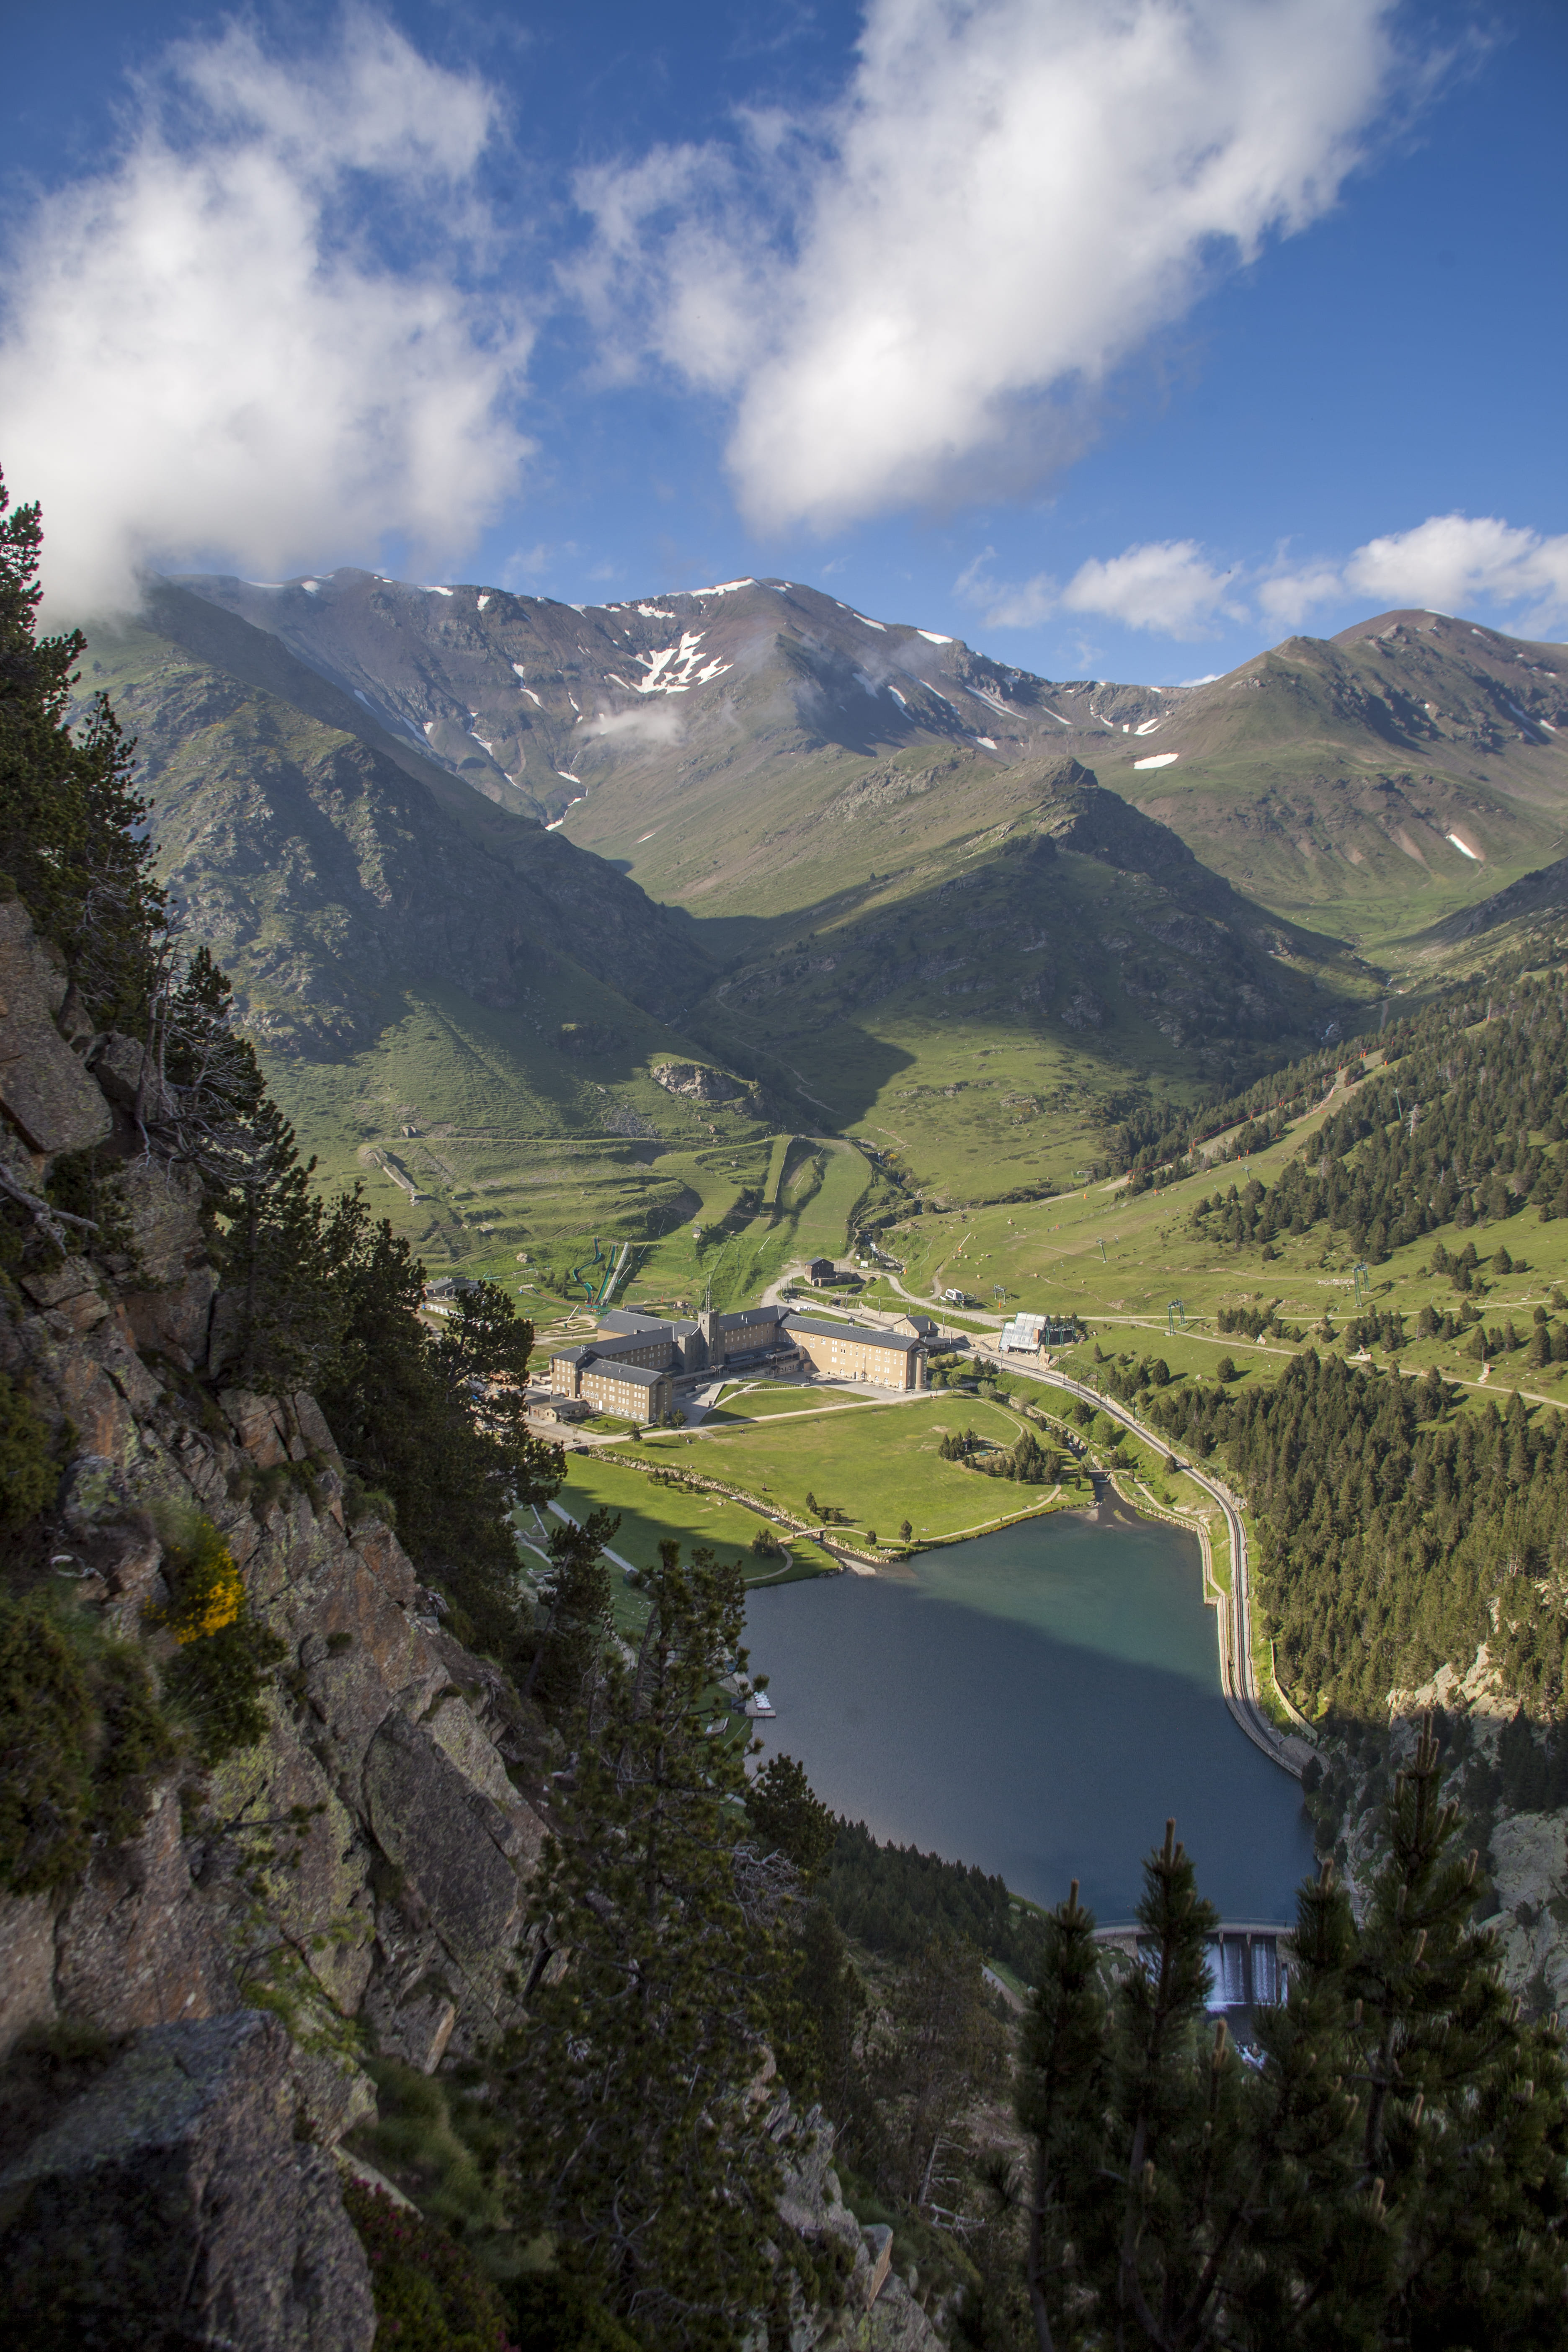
<point x="640" y="1375"/>
<point x="869" y="1334"/>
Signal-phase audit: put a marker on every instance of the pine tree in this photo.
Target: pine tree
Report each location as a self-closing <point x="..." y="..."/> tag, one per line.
<point x="639" y="2145"/>
<point x="820" y="2059"/>
<point x="415" y="1419"/>
<point x="944" y="2047"/>
<point x="1394" y="2171"/>
<point x="73" y="839"/>
<point x="785" y="1814"/>
<point x="577" y="1619"/>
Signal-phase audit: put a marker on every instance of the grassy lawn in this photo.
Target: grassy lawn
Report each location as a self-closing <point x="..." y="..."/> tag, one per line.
<point x="765" y="1402"/>
<point x="650" y="1513"/>
<point x="879" y="1466"/>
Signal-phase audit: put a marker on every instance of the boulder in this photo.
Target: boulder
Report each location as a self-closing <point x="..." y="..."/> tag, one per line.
<point x="171" y="2208"/>
<point x="117" y="1066"/>
<point x="257" y="1424"/>
<point x="54" y="1103"/>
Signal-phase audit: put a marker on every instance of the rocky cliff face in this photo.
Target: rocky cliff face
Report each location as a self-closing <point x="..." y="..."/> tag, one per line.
<point x="368" y="1859"/>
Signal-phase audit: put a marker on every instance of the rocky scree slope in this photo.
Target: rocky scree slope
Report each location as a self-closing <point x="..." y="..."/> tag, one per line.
<point x="181" y="2188"/>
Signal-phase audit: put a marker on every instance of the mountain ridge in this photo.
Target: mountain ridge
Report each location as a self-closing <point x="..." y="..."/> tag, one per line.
<point x="1379" y="780"/>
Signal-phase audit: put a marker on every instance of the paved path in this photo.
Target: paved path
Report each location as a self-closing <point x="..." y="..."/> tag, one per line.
<point x="1238" y="1678"/>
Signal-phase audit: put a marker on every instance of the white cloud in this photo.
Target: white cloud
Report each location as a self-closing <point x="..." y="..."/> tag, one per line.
<point x="1166" y="585"/>
<point x="917" y="293"/>
<point x="1449" y="563"/>
<point x="1287" y="598"/>
<point x="645" y="723"/>
<point x="204" y="355"/>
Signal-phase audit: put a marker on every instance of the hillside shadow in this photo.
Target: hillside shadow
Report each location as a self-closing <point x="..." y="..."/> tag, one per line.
<point x="1052" y="949"/>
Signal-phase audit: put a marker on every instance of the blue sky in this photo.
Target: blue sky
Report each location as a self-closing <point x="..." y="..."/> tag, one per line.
<point x="1120" y="340"/>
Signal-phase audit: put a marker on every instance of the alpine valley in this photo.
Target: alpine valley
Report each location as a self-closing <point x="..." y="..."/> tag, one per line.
<point x="560" y="924"/>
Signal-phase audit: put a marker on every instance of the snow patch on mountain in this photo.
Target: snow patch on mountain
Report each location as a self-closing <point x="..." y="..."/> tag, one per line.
<point x="1158" y="760"/>
<point x="676" y="669"/>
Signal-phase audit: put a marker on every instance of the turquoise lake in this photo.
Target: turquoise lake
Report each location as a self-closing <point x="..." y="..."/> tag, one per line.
<point x="1037" y="1702"/>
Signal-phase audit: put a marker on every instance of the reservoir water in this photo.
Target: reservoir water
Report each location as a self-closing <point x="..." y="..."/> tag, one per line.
<point x="1037" y="1701"/>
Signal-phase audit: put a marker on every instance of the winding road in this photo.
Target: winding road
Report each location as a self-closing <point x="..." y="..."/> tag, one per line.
<point x="1238" y="1678"/>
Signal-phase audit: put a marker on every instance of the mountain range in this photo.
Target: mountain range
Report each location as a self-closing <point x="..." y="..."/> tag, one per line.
<point x="1374" y="782"/>
<point x="500" y="865"/>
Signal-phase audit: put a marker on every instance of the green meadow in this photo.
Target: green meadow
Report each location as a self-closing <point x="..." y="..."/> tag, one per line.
<point x="877" y="1464"/>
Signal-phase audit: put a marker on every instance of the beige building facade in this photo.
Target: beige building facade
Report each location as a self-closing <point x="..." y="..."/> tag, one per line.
<point x="859" y="1352"/>
<point x="632" y="1390"/>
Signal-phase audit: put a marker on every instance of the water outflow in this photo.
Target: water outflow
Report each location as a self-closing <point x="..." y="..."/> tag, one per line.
<point x="1037" y="1702"/>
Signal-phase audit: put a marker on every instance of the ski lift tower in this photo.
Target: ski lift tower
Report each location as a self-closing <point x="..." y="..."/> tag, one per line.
<point x="1361" y="1274"/>
<point x="998" y="1293"/>
<point x="1175" y="1312"/>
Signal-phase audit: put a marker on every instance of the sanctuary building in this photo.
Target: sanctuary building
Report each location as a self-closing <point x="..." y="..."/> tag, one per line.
<point x="632" y="1363"/>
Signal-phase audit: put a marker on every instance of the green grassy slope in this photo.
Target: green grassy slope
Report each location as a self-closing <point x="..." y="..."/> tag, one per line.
<point x="1329" y="778"/>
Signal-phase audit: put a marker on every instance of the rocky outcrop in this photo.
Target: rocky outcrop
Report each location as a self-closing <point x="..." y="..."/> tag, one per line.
<point x="880" y="2312"/>
<point x="170" y="2206"/>
<point x="696" y="1081"/>
<point x="44" y="1090"/>
<point x="372" y="1844"/>
<point x="390" y="1739"/>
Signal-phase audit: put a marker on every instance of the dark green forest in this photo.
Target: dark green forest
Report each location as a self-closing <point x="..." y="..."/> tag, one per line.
<point x="1394" y="1533"/>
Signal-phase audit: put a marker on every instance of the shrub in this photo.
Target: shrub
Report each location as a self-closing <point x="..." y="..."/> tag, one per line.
<point x="30" y="1472"/>
<point x="225" y="1654"/>
<point x="552" y="2314"/>
<point x="438" y="2143"/>
<point x="80" y="1735"/>
<point x="430" y="2296"/>
<point x="46" y="1721"/>
<point x="206" y="1592"/>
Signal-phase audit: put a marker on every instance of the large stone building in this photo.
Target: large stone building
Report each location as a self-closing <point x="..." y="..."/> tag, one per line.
<point x="635" y="1390"/>
<point x="710" y="1344"/>
<point x="634" y="1357"/>
<point x="859" y="1352"/>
